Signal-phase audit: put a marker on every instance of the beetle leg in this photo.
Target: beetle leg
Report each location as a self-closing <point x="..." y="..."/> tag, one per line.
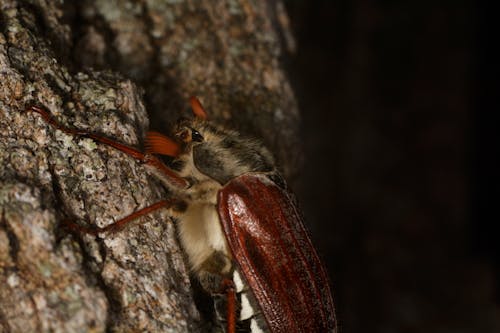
<point x="77" y="132"/>
<point x="217" y="283"/>
<point x="122" y="222"/>
<point x="138" y="155"/>
<point x="230" y="291"/>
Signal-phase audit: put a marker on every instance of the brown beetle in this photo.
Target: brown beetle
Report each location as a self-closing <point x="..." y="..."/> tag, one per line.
<point x="238" y="224"/>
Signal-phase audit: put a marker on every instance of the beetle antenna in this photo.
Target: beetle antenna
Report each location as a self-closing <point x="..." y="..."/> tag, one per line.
<point x="157" y="143"/>
<point x="197" y="108"/>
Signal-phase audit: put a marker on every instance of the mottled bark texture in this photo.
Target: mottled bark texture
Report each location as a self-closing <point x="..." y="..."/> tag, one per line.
<point x="96" y="65"/>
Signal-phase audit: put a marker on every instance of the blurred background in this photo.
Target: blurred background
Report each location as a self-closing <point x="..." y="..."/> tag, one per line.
<point x="399" y="101"/>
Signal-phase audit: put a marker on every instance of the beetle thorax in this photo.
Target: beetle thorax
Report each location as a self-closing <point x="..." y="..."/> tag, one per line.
<point x="214" y="152"/>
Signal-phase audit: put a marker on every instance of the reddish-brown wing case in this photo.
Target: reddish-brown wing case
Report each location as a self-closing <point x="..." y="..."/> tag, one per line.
<point x="270" y="244"/>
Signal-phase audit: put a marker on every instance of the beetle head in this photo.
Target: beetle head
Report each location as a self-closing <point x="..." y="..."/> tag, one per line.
<point x="216" y="152"/>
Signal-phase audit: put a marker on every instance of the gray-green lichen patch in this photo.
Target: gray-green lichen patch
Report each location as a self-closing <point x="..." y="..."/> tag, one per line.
<point x="34" y="266"/>
<point x="53" y="280"/>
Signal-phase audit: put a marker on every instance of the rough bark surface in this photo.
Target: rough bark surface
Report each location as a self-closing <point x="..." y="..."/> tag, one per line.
<point x="89" y="63"/>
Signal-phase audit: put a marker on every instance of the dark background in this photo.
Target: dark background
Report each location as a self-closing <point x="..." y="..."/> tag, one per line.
<point x="400" y="126"/>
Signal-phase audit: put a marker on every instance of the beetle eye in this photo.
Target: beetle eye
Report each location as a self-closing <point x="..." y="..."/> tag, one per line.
<point x="196" y="136"/>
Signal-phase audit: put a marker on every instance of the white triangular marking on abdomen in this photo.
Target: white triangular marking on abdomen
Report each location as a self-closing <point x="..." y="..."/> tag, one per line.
<point x="246" y="308"/>
<point x="254" y="327"/>
<point x="238" y="282"/>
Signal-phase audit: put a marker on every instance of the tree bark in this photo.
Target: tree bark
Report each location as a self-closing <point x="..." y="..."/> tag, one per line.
<point x="88" y="63"/>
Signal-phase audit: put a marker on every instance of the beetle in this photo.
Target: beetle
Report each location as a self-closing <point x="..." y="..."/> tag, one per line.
<point x="238" y="224"/>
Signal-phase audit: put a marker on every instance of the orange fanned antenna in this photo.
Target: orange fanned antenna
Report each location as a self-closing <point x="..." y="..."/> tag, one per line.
<point x="157" y="143"/>
<point x="198" y="109"/>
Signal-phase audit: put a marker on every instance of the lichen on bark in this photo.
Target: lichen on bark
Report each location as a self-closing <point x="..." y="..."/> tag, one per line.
<point x="95" y="65"/>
